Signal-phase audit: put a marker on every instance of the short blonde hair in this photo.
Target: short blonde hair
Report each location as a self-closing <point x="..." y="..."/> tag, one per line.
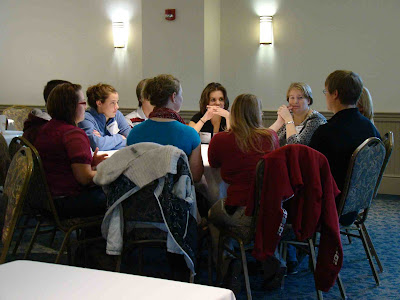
<point x="304" y="88"/>
<point x="365" y="105"/>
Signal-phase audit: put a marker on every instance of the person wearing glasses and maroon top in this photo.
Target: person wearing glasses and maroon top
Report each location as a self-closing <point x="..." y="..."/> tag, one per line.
<point x="67" y="159"/>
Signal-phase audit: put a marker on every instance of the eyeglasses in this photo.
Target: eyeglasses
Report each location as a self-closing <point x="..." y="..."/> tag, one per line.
<point x="324" y="91"/>
<point x="82" y="103"/>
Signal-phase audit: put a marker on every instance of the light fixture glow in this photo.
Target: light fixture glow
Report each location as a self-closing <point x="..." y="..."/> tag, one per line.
<point x="266" y="34"/>
<point x="120" y="34"/>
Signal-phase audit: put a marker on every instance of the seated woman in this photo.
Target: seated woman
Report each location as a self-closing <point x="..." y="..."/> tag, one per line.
<point x="104" y="124"/>
<point x="237" y="153"/>
<point x="297" y="122"/>
<point x="214" y="115"/>
<point x="365" y="105"/>
<point x="165" y="126"/>
<point x="145" y="108"/>
<point x="67" y="160"/>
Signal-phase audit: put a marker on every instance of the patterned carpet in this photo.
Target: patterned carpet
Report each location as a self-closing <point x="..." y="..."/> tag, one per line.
<point x="383" y="219"/>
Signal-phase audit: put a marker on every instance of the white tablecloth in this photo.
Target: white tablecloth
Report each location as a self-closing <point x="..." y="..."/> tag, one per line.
<point x="10" y="134"/>
<point x="35" y="280"/>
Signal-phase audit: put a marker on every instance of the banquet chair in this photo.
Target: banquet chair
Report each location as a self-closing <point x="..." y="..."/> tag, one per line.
<point x="362" y="180"/>
<point x="388" y="141"/>
<point x="4" y="160"/>
<point x="19" y="114"/>
<point x="35" y="199"/>
<point x="245" y="242"/>
<point x="48" y="215"/>
<point x="15" y="191"/>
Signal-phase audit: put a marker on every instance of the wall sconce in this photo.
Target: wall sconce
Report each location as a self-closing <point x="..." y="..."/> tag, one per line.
<point x="266" y="33"/>
<point x="120" y="34"/>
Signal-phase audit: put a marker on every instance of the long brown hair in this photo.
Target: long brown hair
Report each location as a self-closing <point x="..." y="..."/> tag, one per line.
<point x="246" y="124"/>
<point x="62" y="102"/>
<point x="205" y="96"/>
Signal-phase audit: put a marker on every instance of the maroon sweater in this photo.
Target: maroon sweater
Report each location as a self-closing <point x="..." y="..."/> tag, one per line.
<point x="60" y="145"/>
<point x="304" y="172"/>
<point x="238" y="169"/>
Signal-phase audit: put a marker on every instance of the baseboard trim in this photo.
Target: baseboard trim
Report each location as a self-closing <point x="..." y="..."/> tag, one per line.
<point x="390" y="185"/>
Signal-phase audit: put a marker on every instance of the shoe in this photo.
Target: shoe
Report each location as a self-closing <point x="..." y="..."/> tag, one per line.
<point x="232" y="278"/>
<point x="276" y="281"/>
<point x="292" y="267"/>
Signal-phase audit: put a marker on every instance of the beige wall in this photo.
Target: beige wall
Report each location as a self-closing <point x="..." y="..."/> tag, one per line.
<point x="54" y="39"/>
<point x="209" y="41"/>
<point x="312" y="38"/>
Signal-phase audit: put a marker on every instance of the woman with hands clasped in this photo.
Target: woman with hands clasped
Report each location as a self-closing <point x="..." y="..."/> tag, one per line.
<point x="297" y="122"/>
<point x="214" y="115"/>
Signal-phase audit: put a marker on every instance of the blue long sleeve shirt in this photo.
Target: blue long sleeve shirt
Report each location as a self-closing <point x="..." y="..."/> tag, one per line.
<point x="107" y="141"/>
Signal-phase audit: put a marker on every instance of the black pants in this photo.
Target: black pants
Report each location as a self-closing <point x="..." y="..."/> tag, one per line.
<point x="90" y="202"/>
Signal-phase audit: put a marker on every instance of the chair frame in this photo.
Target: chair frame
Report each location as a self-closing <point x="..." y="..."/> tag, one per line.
<point x="20" y="203"/>
<point x="359" y="224"/>
<point x="243" y="243"/>
<point x="50" y="209"/>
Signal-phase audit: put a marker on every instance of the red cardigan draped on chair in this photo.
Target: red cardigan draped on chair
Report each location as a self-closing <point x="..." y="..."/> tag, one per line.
<point x="303" y="172"/>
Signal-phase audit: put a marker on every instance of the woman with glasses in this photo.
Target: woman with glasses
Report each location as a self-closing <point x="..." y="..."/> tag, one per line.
<point x="104" y="124"/>
<point x="65" y="152"/>
<point x="214" y="115"/>
<point x="297" y="122"/>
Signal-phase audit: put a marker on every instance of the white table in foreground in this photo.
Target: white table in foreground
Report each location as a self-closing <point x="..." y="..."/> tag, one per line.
<point x="36" y="280"/>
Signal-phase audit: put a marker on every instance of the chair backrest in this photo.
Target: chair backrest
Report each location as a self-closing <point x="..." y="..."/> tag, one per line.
<point x="4" y="160"/>
<point x="362" y="176"/>
<point x="388" y="141"/>
<point x="39" y="199"/>
<point x="257" y="194"/>
<point x="15" y="191"/>
<point x="15" y="144"/>
<point x="17" y="113"/>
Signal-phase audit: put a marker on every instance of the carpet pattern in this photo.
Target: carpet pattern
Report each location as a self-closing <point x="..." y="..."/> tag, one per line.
<point x="382" y="224"/>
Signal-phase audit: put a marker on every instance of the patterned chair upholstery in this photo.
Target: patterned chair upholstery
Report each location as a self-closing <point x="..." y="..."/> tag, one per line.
<point x="43" y="201"/>
<point x="17" y="113"/>
<point x="362" y="178"/>
<point x="15" y="191"/>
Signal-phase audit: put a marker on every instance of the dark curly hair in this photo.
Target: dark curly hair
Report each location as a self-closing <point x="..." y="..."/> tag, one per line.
<point x="205" y="96"/>
<point x="160" y="88"/>
<point x="62" y="102"/>
<point x="100" y="91"/>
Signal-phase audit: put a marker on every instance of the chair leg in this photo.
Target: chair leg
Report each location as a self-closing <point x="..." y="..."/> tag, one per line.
<point x="341" y="287"/>
<point x="209" y="259"/>
<point x="219" y="258"/>
<point x="53" y="236"/>
<point x="21" y="234"/>
<point x="63" y="245"/>
<point x="33" y="239"/>
<point x="118" y="266"/>
<point x="348" y="237"/>
<point x="368" y="252"/>
<point x="140" y="258"/>
<point x="314" y="265"/>
<point x="245" y="270"/>
<point x="371" y="246"/>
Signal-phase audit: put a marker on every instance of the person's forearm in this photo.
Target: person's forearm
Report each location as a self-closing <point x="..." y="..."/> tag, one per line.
<point x="197" y="126"/>
<point x="276" y="126"/>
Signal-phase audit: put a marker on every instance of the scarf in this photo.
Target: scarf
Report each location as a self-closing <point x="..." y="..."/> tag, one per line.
<point x="166" y="113"/>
